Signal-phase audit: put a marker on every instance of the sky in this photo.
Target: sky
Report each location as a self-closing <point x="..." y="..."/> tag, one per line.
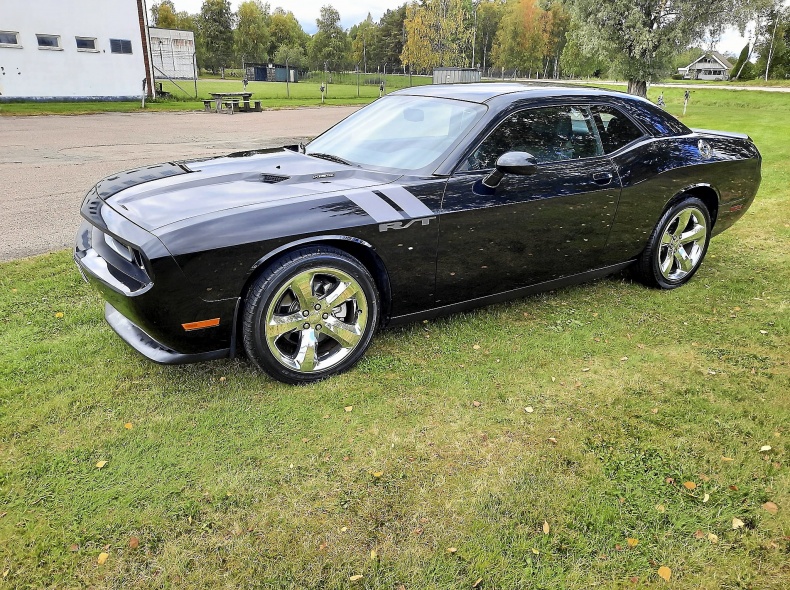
<point x="354" y="11"/>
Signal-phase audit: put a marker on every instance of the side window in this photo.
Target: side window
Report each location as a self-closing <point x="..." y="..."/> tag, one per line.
<point x="616" y="130"/>
<point x="549" y="134"/>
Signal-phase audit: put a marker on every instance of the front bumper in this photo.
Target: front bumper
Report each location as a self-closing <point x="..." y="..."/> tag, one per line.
<point x="135" y="337"/>
<point x="149" y="303"/>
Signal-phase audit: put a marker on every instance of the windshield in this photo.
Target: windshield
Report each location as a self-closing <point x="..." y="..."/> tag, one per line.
<point x="398" y="132"/>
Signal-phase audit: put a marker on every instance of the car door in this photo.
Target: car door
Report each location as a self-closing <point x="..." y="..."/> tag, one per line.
<point x="529" y="229"/>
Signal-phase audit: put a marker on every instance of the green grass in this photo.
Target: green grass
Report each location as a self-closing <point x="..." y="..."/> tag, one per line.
<point x="231" y="480"/>
<point x="273" y="95"/>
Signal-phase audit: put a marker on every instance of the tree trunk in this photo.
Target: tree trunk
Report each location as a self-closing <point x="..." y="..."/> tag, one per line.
<point x="638" y="88"/>
<point x="771" y="50"/>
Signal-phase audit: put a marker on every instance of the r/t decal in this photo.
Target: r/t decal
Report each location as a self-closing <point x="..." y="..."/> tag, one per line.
<point x="404" y="224"/>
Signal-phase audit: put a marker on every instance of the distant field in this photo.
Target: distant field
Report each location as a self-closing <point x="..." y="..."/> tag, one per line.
<point x="271" y="94"/>
<point x="577" y="439"/>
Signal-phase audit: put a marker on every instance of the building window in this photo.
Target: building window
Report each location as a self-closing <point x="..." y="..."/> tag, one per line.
<point x="86" y="43"/>
<point x="120" y="46"/>
<point x="9" y="39"/>
<point x="48" y="41"/>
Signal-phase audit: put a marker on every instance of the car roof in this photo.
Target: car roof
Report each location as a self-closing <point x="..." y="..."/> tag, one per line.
<point x="486" y="91"/>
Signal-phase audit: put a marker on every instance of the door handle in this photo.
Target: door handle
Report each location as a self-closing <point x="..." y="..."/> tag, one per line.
<point x="602" y="177"/>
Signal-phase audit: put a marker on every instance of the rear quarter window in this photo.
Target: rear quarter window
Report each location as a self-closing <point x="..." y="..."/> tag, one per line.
<point x="657" y="121"/>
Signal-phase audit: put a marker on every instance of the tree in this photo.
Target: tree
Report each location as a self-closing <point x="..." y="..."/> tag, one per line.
<point x="284" y="29"/>
<point x="388" y="44"/>
<point x="163" y="15"/>
<point x="251" y="37"/>
<point x="216" y="29"/>
<point x="438" y="33"/>
<point x="773" y="45"/>
<point x="743" y="67"/>
<point x="489" y="15"/>
<point x="362" y="37"/>
<point x="530" y="38"/>
<point x="291" y="56"/>
<point x="639" y="37"/>
<point x="328" y="47"/>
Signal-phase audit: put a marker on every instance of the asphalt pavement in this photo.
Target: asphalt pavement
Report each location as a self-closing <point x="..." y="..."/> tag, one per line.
<point x="50" y="162"/>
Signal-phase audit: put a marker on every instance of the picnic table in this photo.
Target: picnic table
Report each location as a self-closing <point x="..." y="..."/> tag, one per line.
<point x="233" y="100"/>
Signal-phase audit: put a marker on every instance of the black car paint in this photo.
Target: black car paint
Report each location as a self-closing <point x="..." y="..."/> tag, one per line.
<point x="205" y="228"/>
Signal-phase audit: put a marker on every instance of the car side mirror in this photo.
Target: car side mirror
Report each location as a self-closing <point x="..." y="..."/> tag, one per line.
<point x="518" y="163"/>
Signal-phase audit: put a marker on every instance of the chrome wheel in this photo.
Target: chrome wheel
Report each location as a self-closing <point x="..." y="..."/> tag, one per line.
<point x="682" y="244"/>
<point x="315" y="320"/>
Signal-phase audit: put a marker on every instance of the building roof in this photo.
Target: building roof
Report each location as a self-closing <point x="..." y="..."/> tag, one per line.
<point x="723" y="61"/>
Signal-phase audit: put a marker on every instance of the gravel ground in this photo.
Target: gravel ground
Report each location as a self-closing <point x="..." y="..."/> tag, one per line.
<point x="50" y="162"/>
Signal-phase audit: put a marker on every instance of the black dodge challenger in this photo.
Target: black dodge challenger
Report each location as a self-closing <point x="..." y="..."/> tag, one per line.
<point x="430" y="200"/>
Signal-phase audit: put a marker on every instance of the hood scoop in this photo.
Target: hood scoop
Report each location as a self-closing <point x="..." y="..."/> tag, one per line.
<point x="273" y="178"/>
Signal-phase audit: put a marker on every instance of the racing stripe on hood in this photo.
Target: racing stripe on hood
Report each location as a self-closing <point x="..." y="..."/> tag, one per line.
<point x="374" y="206"/>
<point x="406" y="201"/>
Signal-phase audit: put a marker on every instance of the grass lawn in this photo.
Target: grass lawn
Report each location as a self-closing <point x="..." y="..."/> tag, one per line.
<point x="522" y="445"/>
<point x="273" y="95"/>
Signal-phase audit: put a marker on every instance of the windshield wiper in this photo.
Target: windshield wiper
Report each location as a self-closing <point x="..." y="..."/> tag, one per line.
<point x="331" y="158"/>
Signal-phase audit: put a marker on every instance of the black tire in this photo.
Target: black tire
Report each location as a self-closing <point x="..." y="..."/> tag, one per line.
<point x="674" y="253"/>
<point x="292" y="329"/>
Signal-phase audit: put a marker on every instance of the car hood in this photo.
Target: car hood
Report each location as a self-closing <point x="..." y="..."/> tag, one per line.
<point x="155" y="196"/>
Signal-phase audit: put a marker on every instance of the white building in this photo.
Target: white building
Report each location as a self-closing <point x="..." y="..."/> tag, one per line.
<point x="74" y="50"/>
<point x="710" y="66"/>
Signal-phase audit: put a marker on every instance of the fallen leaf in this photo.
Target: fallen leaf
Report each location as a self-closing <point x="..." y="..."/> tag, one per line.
<point x="373" y="554"/>
<point x="737" y="523"/>
<point x="222" y="379"/>
<point x="670" y="480"/>
<point x="546" y="528"/>
<point x="343" y="529"/>
<point x="689" y="485"/>
<point x="476" y="347"/>
<point x="632" y="542"/>
<point x="727" y="459"/>
<point x="304" y="440"/>
<point x="654" y="411"/>
<point x="618" y="547"/>
<point x="477" y="582"/>
<point x="771" y="507"/>
<point x="377" y="474"/>
<point x="552" y="440"/>
<point x="348" y="408"/>
<point x="761" y="331"/>
<point x="765" y="448"/>
<point x="704" y="477"/>
<point x="634" y="579"/>
<point x="2" y="514"/>
<point x="476" y="404"/>
<point x="74" y="548"/>
<point x="713" y="538"/>
<point x="699" y="534"/>
<point x="59" y="314"/>
<point x="417" y="531"/>
<point x="665" y="573"/>
<point x="355" y="578"/>
<point x="734" y="488"/>
<point x="535" y="551"/>
<point x="625" y="358"/>
<point x="529" y="409"/>
<point x="6" y="571"/>
<point x="451" y="550"/>
<point x="660" y="508"/>
<point x="128" y="426"/>
<point x="640" y="346"/>
<point x="322" y="546"/>
<point x="705" y="498"/>
<point x="101" y="464"/>
<point x="585" y="369"/>
<point x="102" y="558"/>
<point x="553" y="379"/>
<point x="134" y="543"/>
